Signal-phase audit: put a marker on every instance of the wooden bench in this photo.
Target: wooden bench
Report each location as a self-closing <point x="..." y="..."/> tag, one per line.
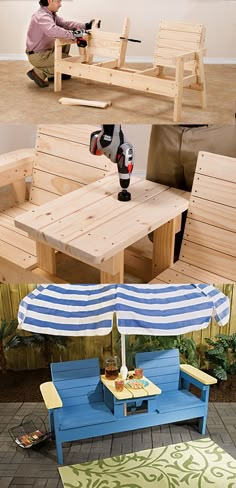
<point x="60" y="163"/>
<point x="81" y="406"/>
<point x="176" y="402"/>
<point x="179" y="48"/>
<point x="208" y="250"/>
<point x="75" y="401"/>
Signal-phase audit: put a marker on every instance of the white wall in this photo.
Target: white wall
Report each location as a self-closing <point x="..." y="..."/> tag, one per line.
<point x="21" y="136"/>
<point x="219" y="16"/>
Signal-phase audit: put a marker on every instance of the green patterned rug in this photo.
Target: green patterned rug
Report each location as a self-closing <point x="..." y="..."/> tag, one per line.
<point x="195" y="464"/>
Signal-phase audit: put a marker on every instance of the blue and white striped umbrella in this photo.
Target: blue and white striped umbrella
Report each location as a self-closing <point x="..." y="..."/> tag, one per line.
<point x="87" y="310"/>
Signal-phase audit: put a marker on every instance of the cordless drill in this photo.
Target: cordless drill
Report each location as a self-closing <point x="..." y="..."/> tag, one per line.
<point x="110" y="142"/>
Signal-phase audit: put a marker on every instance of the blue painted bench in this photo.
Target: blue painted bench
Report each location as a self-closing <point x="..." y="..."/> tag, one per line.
<point x="176" y="402"/>
<point x="80" y="406"/>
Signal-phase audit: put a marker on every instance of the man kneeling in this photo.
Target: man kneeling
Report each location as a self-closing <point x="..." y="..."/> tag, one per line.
<point x="44" y="27"/>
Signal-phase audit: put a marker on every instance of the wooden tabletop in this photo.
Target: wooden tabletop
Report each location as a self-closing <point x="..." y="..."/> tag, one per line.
<point x="129" y="393"/>
<point x="90" y="223"/>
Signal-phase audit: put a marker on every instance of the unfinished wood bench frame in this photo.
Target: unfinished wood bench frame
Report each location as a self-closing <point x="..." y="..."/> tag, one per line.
<point x="208" y="251"/>
<point x="81" y="406"/>
<point x="180" y="46"/>
<point x="60" y="163"/>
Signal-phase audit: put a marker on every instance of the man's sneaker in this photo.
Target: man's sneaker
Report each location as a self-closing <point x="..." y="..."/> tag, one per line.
<point x="41" y="83"/>
<point x="63" y="77"/>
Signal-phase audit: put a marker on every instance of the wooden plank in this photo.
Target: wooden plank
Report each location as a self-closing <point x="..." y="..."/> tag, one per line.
<point x="15" y="165"/>
<point x="199" y="375"/>
<point x="196" y="273"/>
<point x="179" y="90"/>
<point x="210" y="236"/>
<point x="124" y="42"/>
<point x="53" y="183"/>
<point x="98" y="191"/>
<point x="181" y="26"/>
<point x="77" y="172"/>
<point x="179" y="46"/>
<point x="70" y="150"/>
<point x="19" y="209"/>
<point x="118" y="78"/>
<point x="163" y="247"/>
<point x="17" y="256"/>
<point x="209" y="260"/>
<point x="179" y="36"/>
<point x="39" y="196"/>
<point x="215" y="190"/>
<point x="17" y="240"/>
<point x="14" y="273"/>
<point x="212" y="213"/>
<point x="50" y="395"/>
<point x="112" y="275"/>
<point x="46" y="258"/>
<point x="69" y="132"/>
<point x="7" y="221"/>
<point x="86" y="103"/>
<point x="217" y="166"/>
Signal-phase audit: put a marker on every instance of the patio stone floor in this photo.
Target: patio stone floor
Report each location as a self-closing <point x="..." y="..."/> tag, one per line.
<point x="37" y="468"/>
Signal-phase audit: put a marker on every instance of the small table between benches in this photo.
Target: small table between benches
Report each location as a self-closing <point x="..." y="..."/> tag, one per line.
<point x="91" y="225"/>
<point x="119" y="399"/>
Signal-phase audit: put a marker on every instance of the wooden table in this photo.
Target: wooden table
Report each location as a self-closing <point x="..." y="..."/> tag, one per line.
<point x="91" y="225"/>
<point x="118" y="400"/>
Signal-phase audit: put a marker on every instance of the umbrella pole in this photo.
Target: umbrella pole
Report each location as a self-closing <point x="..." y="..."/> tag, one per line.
<point x="123" y="369"/>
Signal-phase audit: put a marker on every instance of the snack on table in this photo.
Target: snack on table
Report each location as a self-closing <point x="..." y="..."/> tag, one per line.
<point x="136" y="384"/>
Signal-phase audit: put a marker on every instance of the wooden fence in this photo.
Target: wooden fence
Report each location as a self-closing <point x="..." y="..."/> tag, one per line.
<point x="79" y="348"/>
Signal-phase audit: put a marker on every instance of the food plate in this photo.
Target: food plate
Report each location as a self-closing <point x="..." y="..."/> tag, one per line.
<point x="136" y="384"/>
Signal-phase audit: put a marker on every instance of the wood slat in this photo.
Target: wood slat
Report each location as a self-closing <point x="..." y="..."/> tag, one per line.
<point x="212" y="213"/>
<point x="79" y="153"/>
<point x="210" y="236"/>
<point x="54" y="184"/>
<point x="217" y="166"/>
<point x="17" y="256"/>
<point x="209" y="260"/>
<point x="179" y="36"/>
<point x="215" y="190"/>
<point x="19" y="240"/>
<point x="39" y="196"/>
<point x="71" y="170"/>
<point x="79" y="133"/>
<point x="181" y="26"/>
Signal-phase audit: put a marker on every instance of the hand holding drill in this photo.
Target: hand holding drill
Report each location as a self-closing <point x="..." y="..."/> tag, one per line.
<point x="79" y="34"/>
<point x="111" y="142"/>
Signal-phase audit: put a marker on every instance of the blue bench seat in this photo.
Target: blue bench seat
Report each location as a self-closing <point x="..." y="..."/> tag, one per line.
<point x="91" y="414"/>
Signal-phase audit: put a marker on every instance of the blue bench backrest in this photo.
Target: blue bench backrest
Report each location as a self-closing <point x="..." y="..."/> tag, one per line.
<point x="78" y="382"/>
<point x="161" y="367"/>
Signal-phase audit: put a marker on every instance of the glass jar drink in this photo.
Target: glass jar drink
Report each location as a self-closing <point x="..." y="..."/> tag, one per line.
<point x="111" y="368"/>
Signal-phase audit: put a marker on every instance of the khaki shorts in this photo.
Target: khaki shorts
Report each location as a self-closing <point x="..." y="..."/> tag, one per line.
<point x="173" y="151"/>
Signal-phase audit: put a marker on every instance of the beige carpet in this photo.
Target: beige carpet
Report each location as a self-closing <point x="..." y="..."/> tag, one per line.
<point x="195" y="464"/>
<point x="22" y="101"/>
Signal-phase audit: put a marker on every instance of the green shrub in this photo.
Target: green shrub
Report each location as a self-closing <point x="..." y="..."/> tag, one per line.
<point x="222" y="355"/>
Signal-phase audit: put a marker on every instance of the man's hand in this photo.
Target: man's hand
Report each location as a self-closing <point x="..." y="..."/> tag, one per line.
<point x="88" y="25"/>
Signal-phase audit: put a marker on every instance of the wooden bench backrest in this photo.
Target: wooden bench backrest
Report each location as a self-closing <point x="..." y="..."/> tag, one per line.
<point x="78" y="382"/>
<point x="161" y="367"/>
<point x="175" y="38"/>
<point x="63" y="162"/>
<point x="108" y="44"/>
<point x="210" y="232"/>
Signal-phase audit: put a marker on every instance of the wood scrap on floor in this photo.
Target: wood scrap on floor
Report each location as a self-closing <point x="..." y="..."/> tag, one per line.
<point x="89" y="103"/>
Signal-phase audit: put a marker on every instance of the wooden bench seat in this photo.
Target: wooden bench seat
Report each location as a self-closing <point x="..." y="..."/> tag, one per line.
<point x="179" y="48"/>
<point x="176" y="402"/>
<point x="60" y="163"/>
<point x="81" y="407"/>
<point x="208" y="250"/>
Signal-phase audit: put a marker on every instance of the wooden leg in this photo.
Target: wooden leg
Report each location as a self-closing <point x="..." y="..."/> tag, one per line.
<point x="201" y="77"/>
<point x="113" y="270"/>
<point x="202" y="425"/>
<point x="19" y="188"/>
<point x="46" y="258"/>
<point x="179" y="89"/>
<point x="163" y="247"/>
<point x="57" y="58"/>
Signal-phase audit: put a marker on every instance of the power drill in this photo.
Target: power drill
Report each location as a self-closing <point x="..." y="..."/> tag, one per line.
<point x="80" y="39"/>
<point x="110" y="142"/>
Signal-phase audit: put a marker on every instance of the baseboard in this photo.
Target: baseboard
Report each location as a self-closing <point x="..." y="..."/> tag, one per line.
<point x="129" y="59"/>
